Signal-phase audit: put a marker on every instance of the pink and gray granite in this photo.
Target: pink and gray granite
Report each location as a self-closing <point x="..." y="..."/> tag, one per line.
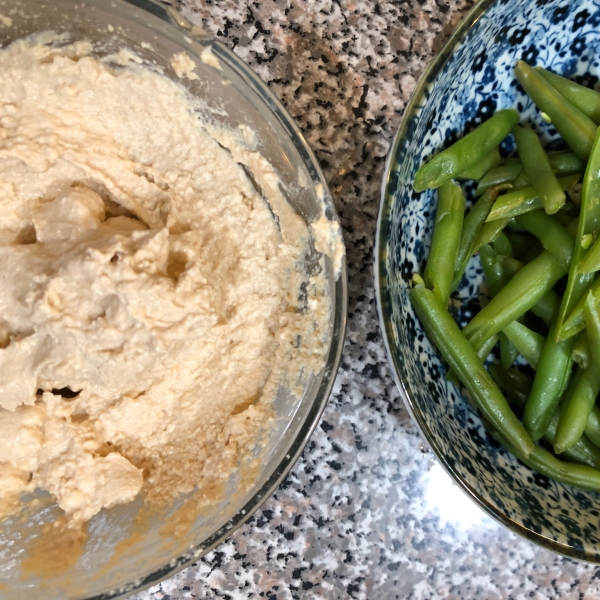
<point x="366" y="512"/>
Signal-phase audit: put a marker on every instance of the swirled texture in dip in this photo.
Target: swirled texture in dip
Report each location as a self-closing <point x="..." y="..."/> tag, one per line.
<point x="148" y="296"/>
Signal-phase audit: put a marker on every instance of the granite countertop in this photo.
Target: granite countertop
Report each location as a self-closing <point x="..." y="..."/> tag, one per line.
<point x="367" y="512"/>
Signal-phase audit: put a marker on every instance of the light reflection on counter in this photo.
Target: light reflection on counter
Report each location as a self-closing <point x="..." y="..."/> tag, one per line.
<point x="443" y="496"/>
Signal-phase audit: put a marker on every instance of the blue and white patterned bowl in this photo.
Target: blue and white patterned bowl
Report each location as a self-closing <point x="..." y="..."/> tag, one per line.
<point x="470" y="79"/>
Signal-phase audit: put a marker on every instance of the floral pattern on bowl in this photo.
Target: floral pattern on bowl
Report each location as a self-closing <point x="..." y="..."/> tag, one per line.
<point x="471" y="79"/>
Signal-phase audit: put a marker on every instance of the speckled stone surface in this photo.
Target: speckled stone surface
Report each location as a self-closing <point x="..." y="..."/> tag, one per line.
<point x="367" y="512"/>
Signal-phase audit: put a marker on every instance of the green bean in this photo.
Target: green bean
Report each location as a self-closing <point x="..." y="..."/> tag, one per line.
<point x="492" y="270"/>
<point x="462" y="359"/>
<point x="516" y="387"/>
<point x="496" y="277"/>
<point x="478" y="170"/>
<point x="585" y="99"/>
<point x="547" y="308"/>
<point x="520" y="181"/>
<point x="502" y="246"/>
<point x="465" y="153"/>
<point x="471" y="228"/>
<point x="592" y="427"/>
<point x="566" y="163"/>
<point x="512" y="172"/>
<point x="538" y="169"/>
<point x="527" y="342"/>
<point x="581" y="350"/>
<point x="591" y="318"/>
<point x="489" y="232"/>
<point x="574" y="324"/>
<point x="584" y="451"/>
<point x="446" y="239"/>
<point x="578" y="407"/>
<point x="515" y="339"/>
<point x="510" y="266"/>
<point x="588" y="224"/>
<point x="484" y="351"/>
<point x="508" y="351"/>
<point x="523" y="200"/>
<point x="591" y="262"/>
<point x="553" y="236"/>
<point x="551" y="378"/>
<point x="575" y="128"/>
<point x="521" y="293"/>
<point x="543" y="462"/>
<point x="501" y="175"/>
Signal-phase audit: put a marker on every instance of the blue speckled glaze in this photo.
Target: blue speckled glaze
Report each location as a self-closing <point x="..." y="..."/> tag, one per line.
<point x="470" y="79"/>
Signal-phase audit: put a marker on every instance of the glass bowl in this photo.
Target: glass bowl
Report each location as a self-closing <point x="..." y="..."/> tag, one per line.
<point x="470" y="79"/>
<point x="113" y="564"/>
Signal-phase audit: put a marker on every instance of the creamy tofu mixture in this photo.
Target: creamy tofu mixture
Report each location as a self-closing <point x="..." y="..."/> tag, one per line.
<point x="151" y="296"/>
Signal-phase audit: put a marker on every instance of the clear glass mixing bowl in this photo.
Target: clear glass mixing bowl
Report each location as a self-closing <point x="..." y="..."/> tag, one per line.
<point x="110" y="567"/>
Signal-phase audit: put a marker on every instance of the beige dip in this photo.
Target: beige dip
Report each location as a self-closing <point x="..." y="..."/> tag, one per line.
<point x="148" y="295"/>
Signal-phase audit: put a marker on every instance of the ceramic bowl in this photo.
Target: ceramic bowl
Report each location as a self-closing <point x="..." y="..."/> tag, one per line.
<point x="470" y="79"/>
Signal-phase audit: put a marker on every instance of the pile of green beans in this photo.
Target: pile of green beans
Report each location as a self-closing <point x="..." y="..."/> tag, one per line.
<point x="535" y="224"/>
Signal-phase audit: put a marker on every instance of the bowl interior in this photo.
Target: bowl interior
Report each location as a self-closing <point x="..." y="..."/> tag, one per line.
<point x="470" y="79"/>
<point x="232" y="96"/>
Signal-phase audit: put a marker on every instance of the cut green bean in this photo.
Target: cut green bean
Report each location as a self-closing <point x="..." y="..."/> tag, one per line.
<point x="551" y="378"/>
<point x="547" y="308"/>
<point x="512" y="172"/>
<point x="484" y="351"/>
<point x="543" y="462"/>
<point x="589" y="223"/>
<point x="581" y="350"/>
<point x="508" y="351"/>
<point x="502" y="246"/>
<point x="574" y="324"/>
<point x="492" y="270"/>
<point x="501" y="175"/>
<point x="477" y="171"/>
<point x="591" y="262"/>
<point x="471" y="228"/>
<point x="592" y="427"/>
<point x="578" y="407"/>
<point x="523" y="200"/>
<point x="462" y="359"/>
<point x="565" y="163"/>
<point x="496" y="277"/>
<point x="516" y="387"/>
<point x="510" y="266"/>
<point x="585" y="99"/>
<point x="527" y="342"/>
<point x="584" y="452"/>
<point x="446" y="239"/>
<point x="575" y="128"/>
<point x="553" y="236"/>
<point x="538" y="169"/>
<point x="591" y="318"/>
<point x="489" y="232"/>
<point x="521" y="293"/>
<point x="520" y="181"/>
<point x="465" y="153"/>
